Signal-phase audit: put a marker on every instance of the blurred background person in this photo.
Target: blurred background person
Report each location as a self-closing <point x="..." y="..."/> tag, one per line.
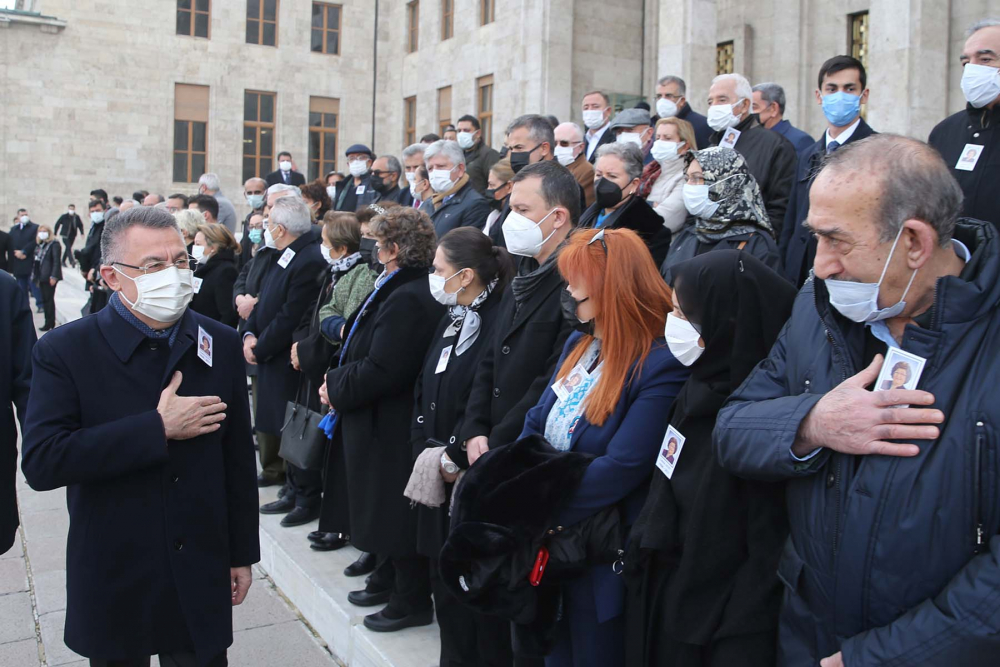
<point x="498" y="195"/>
<point x="68" y="226"/>
<point x="189" y="221"/>
<point x="47" y="272"/>
<point x="316" y="198"/>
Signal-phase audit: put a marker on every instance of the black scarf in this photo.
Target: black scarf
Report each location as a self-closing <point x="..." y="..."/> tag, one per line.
<point x="530" y="275"/>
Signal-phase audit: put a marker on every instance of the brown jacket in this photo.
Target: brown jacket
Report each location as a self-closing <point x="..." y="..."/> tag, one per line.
<point x="583" y="171"/>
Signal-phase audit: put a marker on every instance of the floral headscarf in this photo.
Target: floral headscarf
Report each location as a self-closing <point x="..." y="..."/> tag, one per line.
<point x="741" y="209"/>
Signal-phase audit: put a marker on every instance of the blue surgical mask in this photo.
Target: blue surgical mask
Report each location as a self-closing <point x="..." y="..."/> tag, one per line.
<point x="841" y="108"/>
<point x="256" y="235"/>
<point x="859" y="301"/>
<point x="256" y="201"/>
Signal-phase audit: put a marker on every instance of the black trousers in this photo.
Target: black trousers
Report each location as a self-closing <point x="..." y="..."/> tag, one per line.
<point x="68" y="252"/>
<point x="468" y="638"/>
<point x="48" y="302"/>
<point x="180" y="659"/>
<point x="411" y="585"/>
<point x="306" y="485"/>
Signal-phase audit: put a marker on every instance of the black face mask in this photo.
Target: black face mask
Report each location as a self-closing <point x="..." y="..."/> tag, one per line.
<point x="367" y="251"/>
<point x="570" y="306"/>
<point x="520" y="159"/>
<point x="495" y="204"/>
<point x="379" y="185"/>
<point x="607" y="193"/>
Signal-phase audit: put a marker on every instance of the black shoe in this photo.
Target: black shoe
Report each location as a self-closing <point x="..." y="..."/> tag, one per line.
<point x="47" y="327"/>
<point x="387" y="621"/>
<point x="279" y="506"/>
<point x="365" y="564"/>
<point x="263" y="481"/>
<point x="283" y="491"/>
<point x="300" y="516"/>
<point x="317" y="536"/>
<point x="329" y="542"/>
<point x="366" y="598"/>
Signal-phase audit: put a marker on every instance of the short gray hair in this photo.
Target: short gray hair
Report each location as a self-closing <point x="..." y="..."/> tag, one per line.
<point x="450" y="149"/>
<point x="189" y="220"/>
<point x="577" y="130"/>
<point x="913" y="182"/>
<point x="254" y="179"/>
<point x="112" y="249"/>
<point x="772" y="92"/>
<point x="210" y="181"/>
<point x="292" y="214"/>
<point x="980" y="24"/>
<point x="393" y="164"/>
<point x="629" y="154"/>
<point x="539" y="129"/>
<point x="743" y="89"/>
<point x="281" y="187"/>
<point x="669" y="79"/>
<point x="414" y="149"/>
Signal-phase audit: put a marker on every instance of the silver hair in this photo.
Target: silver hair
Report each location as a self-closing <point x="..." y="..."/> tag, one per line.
<point x="743" y="89"/>
<point x="414" y="149"/>
<point x="772" y="92"/>
<point x="980" y="24"/>
<point x="393" y="164"/>
<point x="913" y="182"/>
<point x="450" y="149"/>
<point x="539" y="128"/>
<point x="669" y="79"/>
<point x="577" y="130"/>
<point x="281" y="187"/>
<point x="112" y="246"/>
<point x="210" y="181"/>
<point x="189" y="220"/>
<point x="629" y="154"/>
<point x="292" y="214"/>
<point x="255" y="179"/>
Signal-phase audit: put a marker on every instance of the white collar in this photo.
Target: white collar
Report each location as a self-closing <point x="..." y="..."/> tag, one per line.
<point x="961" y="250"/>
<point x="845" y="135"/>
<point x="596" y="134"/>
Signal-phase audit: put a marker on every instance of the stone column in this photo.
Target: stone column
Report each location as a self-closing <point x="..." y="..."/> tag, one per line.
<point x="687" y="45"/>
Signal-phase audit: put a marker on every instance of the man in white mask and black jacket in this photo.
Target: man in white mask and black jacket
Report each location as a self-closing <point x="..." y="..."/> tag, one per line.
<point x="149" y="432"/>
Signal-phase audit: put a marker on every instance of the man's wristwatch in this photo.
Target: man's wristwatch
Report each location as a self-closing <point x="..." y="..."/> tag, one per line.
<point x="447" y="464"/>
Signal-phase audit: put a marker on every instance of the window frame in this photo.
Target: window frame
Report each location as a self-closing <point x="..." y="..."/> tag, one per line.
<point x="190" y="120"/>
<point x="727" y="49"/>
<point x="412" y="26"/>
<point x="260" y="20"/>
<point x="410" y="120"/>
<point x="193" y="11"/>
<point x="447" y="19"/>
<point x="326" y="30"/>
<point x="485" y="117"/>
<point x="259" y="125"/>
<point x="444" y="121"/>
<point x="487" y="12"/>
<point x="324" y="132"/>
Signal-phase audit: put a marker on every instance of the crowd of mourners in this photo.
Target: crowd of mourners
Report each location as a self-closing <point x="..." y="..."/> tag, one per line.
<point x="667" y="389"/>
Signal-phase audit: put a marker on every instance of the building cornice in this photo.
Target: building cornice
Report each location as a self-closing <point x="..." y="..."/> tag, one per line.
<point x="49" y="24"/>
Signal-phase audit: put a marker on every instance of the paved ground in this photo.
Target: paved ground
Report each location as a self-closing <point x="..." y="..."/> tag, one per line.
<point x="267" y="629"/>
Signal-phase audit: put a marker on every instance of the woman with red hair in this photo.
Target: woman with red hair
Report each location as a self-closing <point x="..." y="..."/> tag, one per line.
<point x="610" y="398"/>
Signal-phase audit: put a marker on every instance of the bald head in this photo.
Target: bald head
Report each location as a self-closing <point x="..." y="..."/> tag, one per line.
<point x="255" y="186"/>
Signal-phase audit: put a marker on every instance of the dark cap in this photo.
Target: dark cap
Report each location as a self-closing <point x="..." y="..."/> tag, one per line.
<point x="360" y="148"/>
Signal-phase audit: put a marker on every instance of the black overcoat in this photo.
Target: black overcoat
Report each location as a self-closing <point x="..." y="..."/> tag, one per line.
<point x="23" y="239"/>
<point x="214" y="295"/>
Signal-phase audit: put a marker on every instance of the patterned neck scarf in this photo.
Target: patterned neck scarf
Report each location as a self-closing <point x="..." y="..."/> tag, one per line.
<point x="346" y="263"/>
<point x="466" y="321"/>
<point x="741" y="208"/>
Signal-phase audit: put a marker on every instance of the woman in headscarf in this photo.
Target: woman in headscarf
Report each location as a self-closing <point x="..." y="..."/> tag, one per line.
<point x="701" y="566"/>
<point x="726" y="211"/>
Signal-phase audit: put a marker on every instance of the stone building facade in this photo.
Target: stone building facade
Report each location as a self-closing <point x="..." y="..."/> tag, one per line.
<point x="93" y="90"/>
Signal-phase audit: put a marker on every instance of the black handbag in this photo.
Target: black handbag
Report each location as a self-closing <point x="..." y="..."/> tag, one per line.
<point x="303" y="442"/>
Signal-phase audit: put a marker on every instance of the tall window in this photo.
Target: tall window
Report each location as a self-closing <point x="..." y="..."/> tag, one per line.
<point x="190" y="132"/>
<point x="193" y="17"/>
<point x="444" y="108"/>
<point x="262" y="22"/>
<point x="859" y="36"/>
<point x="447" y="19"/>
<point x="724" y="53"/>
<point x="484" y="106"/>
<point x="410" y="113"/>
<point x="323" y="113"/>
<point x="258" y="133"/>
<point x="412" y="26"/>
<point x="326" y="28"/>
<point x="487" y="11"/>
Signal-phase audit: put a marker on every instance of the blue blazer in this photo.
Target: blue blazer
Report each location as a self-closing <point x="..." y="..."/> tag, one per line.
<point x="625" y="447"/>
<point x="802" y="141"/>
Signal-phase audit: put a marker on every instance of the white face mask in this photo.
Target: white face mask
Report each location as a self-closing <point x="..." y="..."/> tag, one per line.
<point x="331" y="191"/>
<point x="162" y="296"/>
<point x="981" y="84"/>
<point x="682" y="339"/>
<point x="859" y="301"/>
<point x="198" y="252"/>
<point x="565" y="155"/>
<point x="697" y="203"/>
<point x="268" y="237"/>
<point x="25" y="219"/>
<point x="465" y="140"/>
<point x="97" y="217"/>
<point x="441" y="180"/>
<point x="326" y="252"/>
<point x="666" y="108"/>
<point x="720" y="116"/>
<point x="593" y="118"/>
<point x="285" y="165"/>
<point x="524" y="236"/>
<point x="411" y="178"/>
<point x="630" y="138"/>
<point x="665" y="151"/>
<point x="43" y="236"/>
<point x="437" y="284"/>
<point x="71" y="212"/>
<point x="358" y="167"/>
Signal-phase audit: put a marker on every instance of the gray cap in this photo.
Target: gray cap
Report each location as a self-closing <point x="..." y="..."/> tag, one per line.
<point x="630" y="118"/>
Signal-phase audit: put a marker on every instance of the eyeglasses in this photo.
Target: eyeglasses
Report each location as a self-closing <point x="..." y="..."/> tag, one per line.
<point x="599" y="236"/>
<point x="568" y="144"/>
<point x="695" y="179"/>
<point x="156" y="267"/>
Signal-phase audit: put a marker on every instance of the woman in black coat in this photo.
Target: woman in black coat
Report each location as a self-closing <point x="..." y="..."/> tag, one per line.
<point x="47" y="272"/>
<point x="215" y="248"/>
<point x="701" y="569"/>
<point x="371" y="391"/>
<point x="470" y="275"/>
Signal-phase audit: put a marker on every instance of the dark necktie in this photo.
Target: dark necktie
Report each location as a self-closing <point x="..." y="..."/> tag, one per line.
<point x="285" y="174"/>
<point x="832" y="146"/>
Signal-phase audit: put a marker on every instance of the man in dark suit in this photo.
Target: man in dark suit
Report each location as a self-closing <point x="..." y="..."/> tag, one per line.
<point x="840" y="74"/>
<point x="288" y="291"/>
<point x="597" y="112"/>
<point x="23" y="236"/>
<point x="671" y="101"/>
<point x="455" y="202"/>
<point x="6" y="250"/>
<point x="67" y="226"/>
<point x="285" y="173"/>
<point x="531" y="329"/>
<point x="161" y="496"/>
<point x="769" y="105"/>
<point x="17" y="337"/>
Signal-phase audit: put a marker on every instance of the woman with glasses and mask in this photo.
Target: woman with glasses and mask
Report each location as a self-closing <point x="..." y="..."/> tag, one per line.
<point x="701" y="567"/>
<point x="470" y="276"/>
<point x="662" y="183"/>
<point x="609" y="398"/>
<point x="725" y="210"/>
<point x="497" y="194"/>
<point x="618" y="205"/>
<point x="215" y="249"/>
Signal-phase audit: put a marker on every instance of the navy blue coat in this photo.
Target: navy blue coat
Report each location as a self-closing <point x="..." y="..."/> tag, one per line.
<point x="23" y="239"/>
<point x="466" y="208"/>
<point x="802" y="141"/>
<point x="155" y="525"/>
<point x="287" y="296"/>
<point x="893" y="561"/>
<point x="702" y="132"/>
<point x="625" y="448"/>
<point x="796" y="245"/>
<point x="17" y="337"/>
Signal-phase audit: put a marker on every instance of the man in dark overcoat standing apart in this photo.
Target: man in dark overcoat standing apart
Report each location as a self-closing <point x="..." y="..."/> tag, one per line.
<point x="149" y="430"/>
